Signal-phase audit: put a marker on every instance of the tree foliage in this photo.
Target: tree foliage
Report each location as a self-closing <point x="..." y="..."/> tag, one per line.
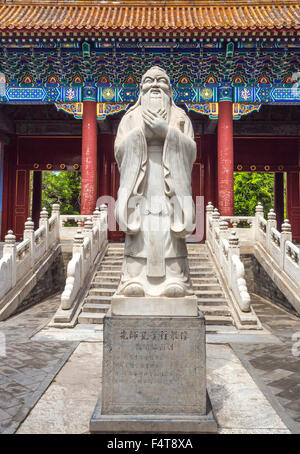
<point x="63" y="188"/>
<point x="251" y="188"/>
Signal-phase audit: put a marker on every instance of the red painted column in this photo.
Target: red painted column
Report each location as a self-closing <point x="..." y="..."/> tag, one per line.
<point x="89" y="158"/>
<point x="36" y="198"/>
<point x="225" y="159"/>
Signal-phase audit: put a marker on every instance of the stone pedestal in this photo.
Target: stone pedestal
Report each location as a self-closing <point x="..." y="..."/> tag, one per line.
<point x="154" y="376"/>
<point x="154" y="306"/>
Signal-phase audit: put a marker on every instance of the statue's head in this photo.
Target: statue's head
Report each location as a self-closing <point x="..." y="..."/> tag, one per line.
<point x="156" y="88"/>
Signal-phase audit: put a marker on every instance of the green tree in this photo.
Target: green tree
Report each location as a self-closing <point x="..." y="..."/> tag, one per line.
<point x="251" y="188"/>
<point x="63" y="188"/>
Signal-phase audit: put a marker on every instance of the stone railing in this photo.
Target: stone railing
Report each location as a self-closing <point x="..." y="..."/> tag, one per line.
<point x="19" y="261"/>
<point x="89" y="243"/>
<point x="69" y="224"/>
<point x="224" y="245"/>
<point x="276" y="247"/>
<point x="277" y="244"/>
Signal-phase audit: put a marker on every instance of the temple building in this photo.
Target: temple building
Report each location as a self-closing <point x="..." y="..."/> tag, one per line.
<point x="69" y="69"/>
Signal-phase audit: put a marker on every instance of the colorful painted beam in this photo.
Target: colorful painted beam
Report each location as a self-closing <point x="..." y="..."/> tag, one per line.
<point x="103" y="109"/>
<point x="48" y="94"/>
<point x="212" y="109"/>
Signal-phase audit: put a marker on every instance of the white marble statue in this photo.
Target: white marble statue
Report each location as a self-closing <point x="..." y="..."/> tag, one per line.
<point x="155" y="151"/>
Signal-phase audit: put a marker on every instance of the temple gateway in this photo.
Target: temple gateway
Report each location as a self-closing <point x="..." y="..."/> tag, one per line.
<point x="176" y="265"/>
<point x="70" y="69"/>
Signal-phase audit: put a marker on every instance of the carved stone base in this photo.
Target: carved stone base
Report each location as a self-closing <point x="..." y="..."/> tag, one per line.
<point x="154" y="376"/>
<point x="160" y="424"/>
<point x="154" y="306"/>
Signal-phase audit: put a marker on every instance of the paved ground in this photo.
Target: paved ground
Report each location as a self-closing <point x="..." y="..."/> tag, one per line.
<point x="28" y="367"/>
<point x="32" y="364"/>
<point x="275" y="367"/>
<point x="239" y="405"/>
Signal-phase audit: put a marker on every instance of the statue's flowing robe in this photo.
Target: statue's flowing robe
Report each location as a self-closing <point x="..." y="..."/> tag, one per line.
<point x="178" y="156"/>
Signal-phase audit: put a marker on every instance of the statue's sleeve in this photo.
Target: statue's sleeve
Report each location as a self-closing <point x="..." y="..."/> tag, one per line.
<point x="179" y="156"/>
<point x="130" y="154"/>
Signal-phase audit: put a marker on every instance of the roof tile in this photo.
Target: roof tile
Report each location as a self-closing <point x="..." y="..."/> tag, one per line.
<point x="172" y="16"/>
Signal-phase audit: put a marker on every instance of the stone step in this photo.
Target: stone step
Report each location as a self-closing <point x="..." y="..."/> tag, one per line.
<point x="107" y="273"/>
<point x="105" y="278"/>
<point x="199" y="274"/>
<point x="104" y="284"/>
<point x="215" y="310"/>
<point x="110" y="258"/>
<point x="199" y="268"/>
<point x="112" y="263"/>
<point x="102" y="291"/>
<point x="211" y="301"/>
<point x="97" y="299"/>
<point x="115" y="251"/>
<point x="207" y="286"/>
<point x="204" y="280"/>
<point x="91" y="318"/>
<point x="93" y="307"/>
<point x="110" y="267"/>
<point x="218" y="320"/>
<point x="196" y="254"/>
<point x="208" y="293"/>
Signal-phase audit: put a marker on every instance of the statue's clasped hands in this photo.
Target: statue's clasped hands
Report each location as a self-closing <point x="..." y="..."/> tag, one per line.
<point x="156" y="121"/>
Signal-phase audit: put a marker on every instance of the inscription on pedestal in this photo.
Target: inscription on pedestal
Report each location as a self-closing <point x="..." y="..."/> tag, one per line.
<point x="154" y="366"/>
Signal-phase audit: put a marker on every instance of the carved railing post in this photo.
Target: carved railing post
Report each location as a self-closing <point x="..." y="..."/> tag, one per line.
<point x="259" y="211"/>
<point x="78" y="248"/>
<point x="233" y="241"/>
<point x="233" y="249"/>
<point x="29" y="235"/>
<point x="56" y="212"/>
<point x="215" y="219"/>
<point x="286" y="235"/>
<point x="104" y="214"/>
<point x="10" y="249"/>
<point x="88" y="232"/>
<point x="223" y="249"/>
<point x="209" y="211"/>
<point x="271" y="223"/>
<point x="97" y="222"/>
<point x="223" y="226"/>
<point x="44" y="221"/>
<point x="97" y="216"/>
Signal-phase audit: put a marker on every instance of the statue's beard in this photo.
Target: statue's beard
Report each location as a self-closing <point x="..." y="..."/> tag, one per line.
<point x="155" y="100"/>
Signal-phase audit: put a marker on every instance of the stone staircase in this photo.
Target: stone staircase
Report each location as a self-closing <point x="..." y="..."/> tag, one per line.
<point x="211" y="297"/>
<point x="103" y="285"/>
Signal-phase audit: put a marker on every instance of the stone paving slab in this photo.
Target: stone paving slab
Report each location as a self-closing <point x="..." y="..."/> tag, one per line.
<point x="274" y="367"/>
<point x="28" y="366"/>
<point x="67" y="405"/>
<point x="260" y="364"/>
